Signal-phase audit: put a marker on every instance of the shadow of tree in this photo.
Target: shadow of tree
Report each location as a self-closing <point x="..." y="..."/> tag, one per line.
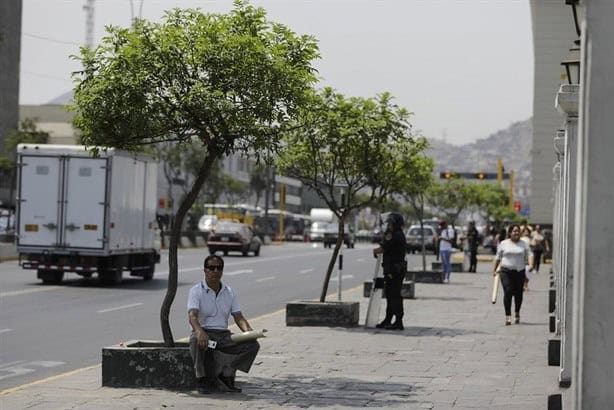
<point x="411" y="331"/>
<point x="312" y="391"/>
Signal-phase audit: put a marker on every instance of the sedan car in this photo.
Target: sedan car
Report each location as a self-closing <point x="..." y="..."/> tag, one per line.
<point x="414" y="238"/>
<point x="233" y="236"/>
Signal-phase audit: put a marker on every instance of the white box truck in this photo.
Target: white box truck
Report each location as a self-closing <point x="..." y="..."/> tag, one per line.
<point x="84" y="214"/>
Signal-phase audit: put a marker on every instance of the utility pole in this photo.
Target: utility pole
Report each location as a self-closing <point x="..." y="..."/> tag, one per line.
<point x="89" y="23"/>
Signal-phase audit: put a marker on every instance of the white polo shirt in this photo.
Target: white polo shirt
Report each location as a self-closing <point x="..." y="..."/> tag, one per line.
<point x="213" y="310"/>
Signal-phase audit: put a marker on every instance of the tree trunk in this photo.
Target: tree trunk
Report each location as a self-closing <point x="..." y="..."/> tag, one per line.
<point x="422" y="230"/>
<point x="184" y="207"/>
<point x="333" y="259"/>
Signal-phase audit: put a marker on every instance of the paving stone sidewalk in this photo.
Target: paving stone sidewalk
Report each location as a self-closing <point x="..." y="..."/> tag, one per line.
<point x="455" y="353"/>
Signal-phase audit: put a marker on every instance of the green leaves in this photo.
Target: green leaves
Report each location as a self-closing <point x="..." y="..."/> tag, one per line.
<point x="356" y="144"/>
<point x="228" y="79"/>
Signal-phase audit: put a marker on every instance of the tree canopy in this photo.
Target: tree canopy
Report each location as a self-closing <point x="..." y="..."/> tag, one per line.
<point x="350" y="151"/>
<point x="230" y="81"/>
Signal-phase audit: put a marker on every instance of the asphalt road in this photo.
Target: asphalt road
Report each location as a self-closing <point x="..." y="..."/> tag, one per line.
<point x="49" y="330"/>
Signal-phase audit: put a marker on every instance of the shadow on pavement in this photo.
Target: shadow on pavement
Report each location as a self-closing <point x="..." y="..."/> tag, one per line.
<point x="410" y="331"/>
<point x="309" y="392"/>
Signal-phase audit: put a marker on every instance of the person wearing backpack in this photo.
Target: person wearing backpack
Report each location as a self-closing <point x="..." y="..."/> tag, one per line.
<point x="445" y="249"/>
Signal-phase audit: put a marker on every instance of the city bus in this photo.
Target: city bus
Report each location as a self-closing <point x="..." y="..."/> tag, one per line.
<point x="295" y="226"/>
<point x="239" y="212"/>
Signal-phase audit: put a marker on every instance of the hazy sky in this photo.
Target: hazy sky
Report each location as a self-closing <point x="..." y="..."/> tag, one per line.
<point x="463" y="67"/>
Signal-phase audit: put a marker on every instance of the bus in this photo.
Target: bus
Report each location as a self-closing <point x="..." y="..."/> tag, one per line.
<point x="239" y="212"/>
<point x="295" y="226"/>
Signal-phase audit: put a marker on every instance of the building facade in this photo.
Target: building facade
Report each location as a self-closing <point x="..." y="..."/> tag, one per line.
<point x="10" y="43"/>
<point x="552" y="37"/>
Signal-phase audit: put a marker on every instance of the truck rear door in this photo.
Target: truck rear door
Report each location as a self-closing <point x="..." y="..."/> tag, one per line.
<point x="85" y="192"/>
<point x="40" y="191"/>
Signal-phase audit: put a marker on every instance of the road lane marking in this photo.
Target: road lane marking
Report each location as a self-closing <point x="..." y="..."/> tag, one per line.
<point x="265" y="279"/>
<point x="76" y="371"/>
<point x="26" y="367"/>
<point x="251" y="261"/>
<point x="47" y="379"/>
<point x="238" y="272"/>
<point x="5" y="330"/>
<point x="336" y="278"/>
<point x="26" y="291"/>
<point x="119" y="308"/>
<point x="305" y="271"/>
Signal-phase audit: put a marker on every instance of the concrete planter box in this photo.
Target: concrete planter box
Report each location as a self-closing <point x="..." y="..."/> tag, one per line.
<point x="428" y="276"/>
<point x="148" y="364"/>
<point x="408" y="290"/>
<point x="312" y="313"/>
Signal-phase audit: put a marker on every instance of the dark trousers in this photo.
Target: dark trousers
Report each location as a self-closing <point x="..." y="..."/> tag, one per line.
<point x="473" y="259"/>
<point x="393" y="282"/>
<point x="537" y="258"/>
<point x="231" y="356"/>
<point x="513" y="283"/>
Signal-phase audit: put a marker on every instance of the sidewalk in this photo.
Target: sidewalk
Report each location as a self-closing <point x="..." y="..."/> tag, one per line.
<point x="455" y="353"/>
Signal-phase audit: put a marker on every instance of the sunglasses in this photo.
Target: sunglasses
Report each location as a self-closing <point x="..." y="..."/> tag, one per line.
<point x="218" y="268"/>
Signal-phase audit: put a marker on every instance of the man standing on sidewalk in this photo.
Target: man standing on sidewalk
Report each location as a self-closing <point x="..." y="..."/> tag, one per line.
<point x="445" y="249"/>
<point x="210" y="304"/>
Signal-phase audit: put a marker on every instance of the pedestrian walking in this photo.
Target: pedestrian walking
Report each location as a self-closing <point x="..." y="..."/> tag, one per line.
<point x="525" y="236"/>
<point x="538" y="246"/>
<point x="393" y="247"/>
<point x="472" y="243"/>
<point x="445" y="249"/>
<point x="513" y="256"/>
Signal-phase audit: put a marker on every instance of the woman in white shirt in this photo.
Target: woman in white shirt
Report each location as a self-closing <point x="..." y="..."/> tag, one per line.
<point x="513" y="255"/>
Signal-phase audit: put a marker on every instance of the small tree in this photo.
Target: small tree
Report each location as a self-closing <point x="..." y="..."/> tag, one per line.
<point x="492" y="201"/>
<point x="415" y="186"/>
<point x="258" y="180"/>
<point x="230" y="81"/>
<point x="343" y="147"/>
<point x="235" y="191"/>
<point x="450" y="198"/>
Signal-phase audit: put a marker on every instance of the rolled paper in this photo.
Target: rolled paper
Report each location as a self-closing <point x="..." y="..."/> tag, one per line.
<point x="245" y="336"/>
<point x="495" y="288"/>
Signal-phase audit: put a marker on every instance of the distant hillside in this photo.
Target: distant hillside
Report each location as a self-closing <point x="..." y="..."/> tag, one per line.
<point x="513" y="145"/>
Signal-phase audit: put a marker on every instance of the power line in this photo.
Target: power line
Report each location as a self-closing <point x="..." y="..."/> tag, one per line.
<point x="53" y="40"/>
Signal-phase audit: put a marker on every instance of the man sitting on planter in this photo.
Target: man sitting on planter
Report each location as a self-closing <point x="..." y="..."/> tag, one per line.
<point x="210" y="304"/>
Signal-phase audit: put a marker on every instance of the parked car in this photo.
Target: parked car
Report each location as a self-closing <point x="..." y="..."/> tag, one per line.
<point x="235" y="237"/>
<point x="332" y="233"/>
<point x="316" y="233"/>
<point x="414" y="234"/>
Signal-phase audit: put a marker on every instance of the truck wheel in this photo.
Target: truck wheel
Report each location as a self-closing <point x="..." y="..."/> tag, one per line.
<point x="149" y="273"/>
<point x="245" y="252"/>
<point x="51" y="277"/>
<point x="257" y="251"/>
<point x="225" y="253"/>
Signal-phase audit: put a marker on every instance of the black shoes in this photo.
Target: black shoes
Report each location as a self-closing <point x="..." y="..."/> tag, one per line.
<point x="383" y="325"/>
<point x="207" y="388"/>
<point x="228" y="383"/>
<point x="398" y="325"/>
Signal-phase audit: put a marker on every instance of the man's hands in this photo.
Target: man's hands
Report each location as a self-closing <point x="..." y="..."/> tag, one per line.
<point x="202" y="338"/>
